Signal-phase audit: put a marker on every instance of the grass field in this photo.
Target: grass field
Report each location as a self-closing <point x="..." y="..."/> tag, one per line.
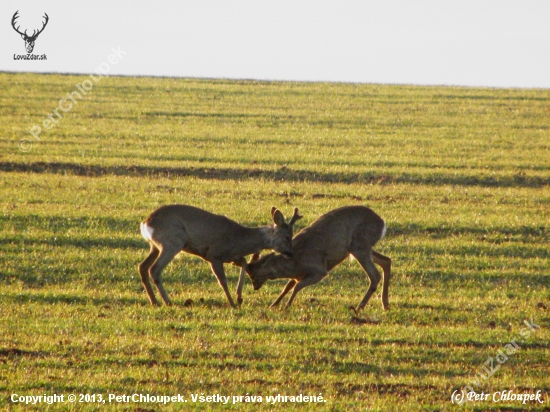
<point x="460" y="175"/>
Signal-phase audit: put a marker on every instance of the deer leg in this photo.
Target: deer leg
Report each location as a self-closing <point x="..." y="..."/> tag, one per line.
<point x="310" y="280"/>
<point x="242" y="263"/>
<point x="286" y="289"/>
<point x="144" y="272"/>
<point x="167" y="253"/>
<point x="217" y="268"/>
<point x="385" y="263"/>
<point x="367" y="264"/>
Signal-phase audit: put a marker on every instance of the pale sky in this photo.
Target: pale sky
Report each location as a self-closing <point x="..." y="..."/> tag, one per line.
<point x="496" y="43"/>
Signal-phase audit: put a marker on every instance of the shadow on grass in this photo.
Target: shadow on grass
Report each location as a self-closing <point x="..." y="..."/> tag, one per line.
<point x="485" y="282"/>
<point x="80" y="242"/>
<point x="457" y="344"/>
<point x="213" y="115"/>
<point x="438" y="232"/>
<point x="61" y="223"/>
<point x="108" y="302"/>
<point x="16" y="352"/>
<point x="367" y="368"/>
<point x="282" y="174"/>
<point x="478" y="250"/>
<point x="66" y="299"/>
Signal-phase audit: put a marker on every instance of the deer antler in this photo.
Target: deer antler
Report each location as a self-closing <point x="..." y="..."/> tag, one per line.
<point x="15" y="16"/>
<point x="43" y="25"/>
<point x="35" y="33"/>
<point x="295" y="217"/>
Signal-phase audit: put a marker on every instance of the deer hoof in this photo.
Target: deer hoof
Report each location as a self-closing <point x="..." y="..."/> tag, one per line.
<point x="239" y="301"/>
<point x="352" y="308"/>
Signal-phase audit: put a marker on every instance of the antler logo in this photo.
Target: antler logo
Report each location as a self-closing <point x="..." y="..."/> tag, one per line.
<point x="29" y="40"/>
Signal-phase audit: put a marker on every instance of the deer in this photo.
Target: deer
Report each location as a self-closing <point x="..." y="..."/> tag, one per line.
<point x="29" y="40"/>
<point x="317" y="249"/>
<point x="215" y="238"/>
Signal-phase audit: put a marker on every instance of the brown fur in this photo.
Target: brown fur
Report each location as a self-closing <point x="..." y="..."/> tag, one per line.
<point x="321" y="246"/>
<point x="214" y="238"/>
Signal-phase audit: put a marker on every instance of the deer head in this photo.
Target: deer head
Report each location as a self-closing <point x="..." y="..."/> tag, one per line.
<point x="29" y="40"/>
<point x="270" y="266"/>
<point x="282" y="233"/>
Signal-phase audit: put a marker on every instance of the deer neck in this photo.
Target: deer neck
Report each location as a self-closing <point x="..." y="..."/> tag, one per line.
<point x="264" y="238"/>
<point x="283" y="268"/>
<point x="256" y="239"/>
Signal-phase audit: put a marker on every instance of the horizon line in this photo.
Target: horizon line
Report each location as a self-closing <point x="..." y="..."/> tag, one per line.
<point x="252" y="80"/>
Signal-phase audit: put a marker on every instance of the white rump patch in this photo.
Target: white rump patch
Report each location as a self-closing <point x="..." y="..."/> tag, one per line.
<point x="383" y="231"/>
<point x="146" y="231"/>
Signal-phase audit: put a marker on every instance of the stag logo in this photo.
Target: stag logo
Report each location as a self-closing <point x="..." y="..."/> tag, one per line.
<point x="29" y="40"/>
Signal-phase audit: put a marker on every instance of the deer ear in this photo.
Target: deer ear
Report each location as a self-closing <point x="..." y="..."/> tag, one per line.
<point x="278" y="218"/>
<point x="273" y="209"/>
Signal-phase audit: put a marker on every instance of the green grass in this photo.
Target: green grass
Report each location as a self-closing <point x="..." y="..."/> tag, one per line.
<point x="460" y="175"/>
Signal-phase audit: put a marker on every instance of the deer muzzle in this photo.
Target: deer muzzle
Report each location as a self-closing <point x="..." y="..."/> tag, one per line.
<point x="29" y="45"/>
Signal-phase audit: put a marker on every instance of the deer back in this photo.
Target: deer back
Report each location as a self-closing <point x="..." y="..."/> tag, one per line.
<point x="204" y="232"/>
<point x="213" y="236"/>
<point x="331" y="237"/>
